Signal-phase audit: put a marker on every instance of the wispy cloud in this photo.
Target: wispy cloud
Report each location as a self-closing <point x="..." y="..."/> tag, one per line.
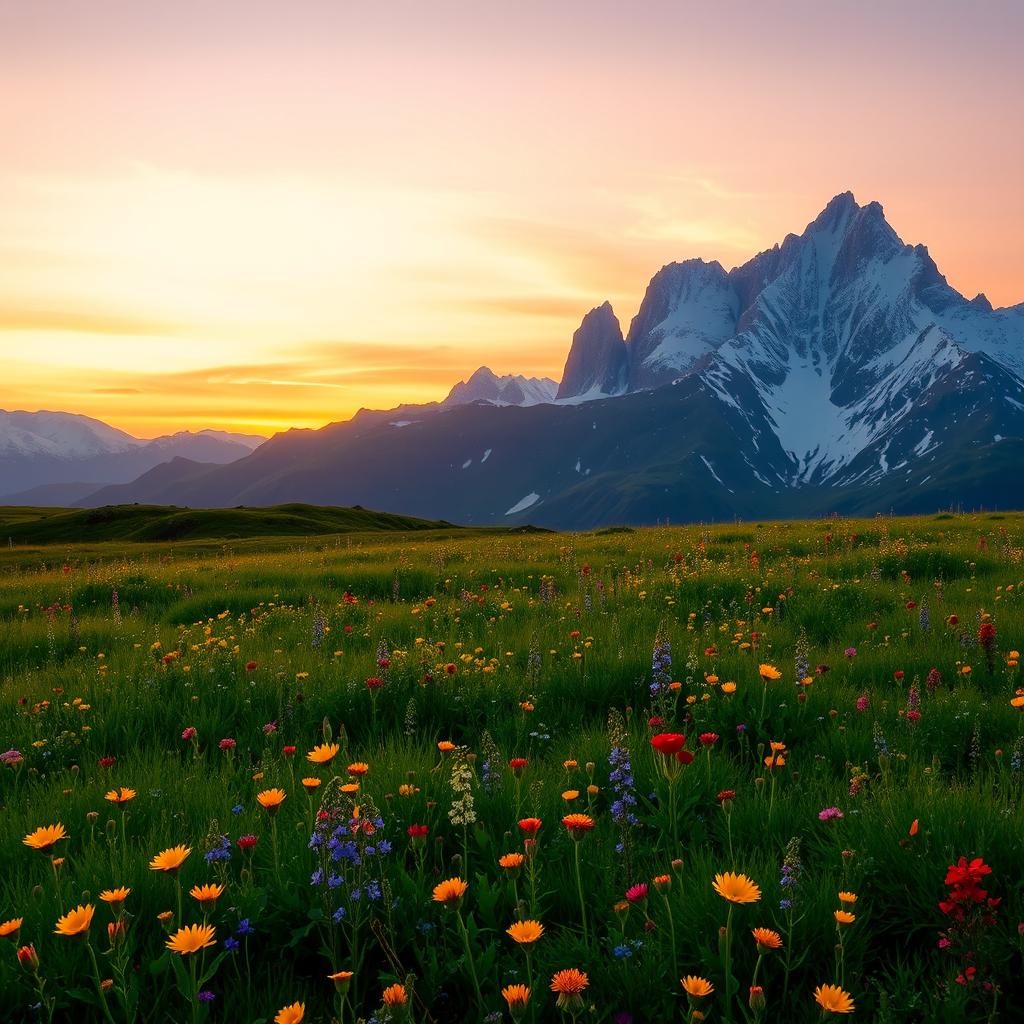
<point x="66" y="320"/>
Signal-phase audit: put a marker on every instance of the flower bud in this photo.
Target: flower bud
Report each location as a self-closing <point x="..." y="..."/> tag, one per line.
<point x="621" y="912"/>
<point x="28" y="958"/>
<point x="757" y="1000"/>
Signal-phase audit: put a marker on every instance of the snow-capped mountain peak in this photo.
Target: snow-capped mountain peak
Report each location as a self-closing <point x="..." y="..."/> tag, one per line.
<point x="835" y="337"/>
<point x="511" y="389"/>
<point x="61" y="435"/>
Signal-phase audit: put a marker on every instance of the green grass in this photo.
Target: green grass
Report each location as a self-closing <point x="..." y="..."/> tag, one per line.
<point x="507" y="645"/>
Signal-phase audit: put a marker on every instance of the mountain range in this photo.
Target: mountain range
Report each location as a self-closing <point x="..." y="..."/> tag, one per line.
<point x="57" y="458"/>
<point x="835" y="372"/>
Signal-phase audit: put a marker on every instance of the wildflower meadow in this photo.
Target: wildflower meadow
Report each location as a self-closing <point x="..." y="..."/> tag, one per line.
<point x="738" y="773"/>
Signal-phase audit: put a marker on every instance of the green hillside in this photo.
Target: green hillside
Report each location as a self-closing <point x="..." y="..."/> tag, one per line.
<point x="163" y="523"/>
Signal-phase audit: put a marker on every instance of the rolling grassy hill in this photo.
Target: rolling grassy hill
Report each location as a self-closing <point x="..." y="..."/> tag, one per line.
<point x="164" y="523"/>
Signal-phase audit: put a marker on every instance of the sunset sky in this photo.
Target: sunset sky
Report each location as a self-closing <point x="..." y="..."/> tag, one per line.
<point x="254" y="215"/>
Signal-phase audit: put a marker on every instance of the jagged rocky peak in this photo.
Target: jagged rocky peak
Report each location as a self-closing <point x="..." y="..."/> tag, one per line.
<point x="511" y="389"/>
<point x="597" y="361"/>
<point x="688" y="311"/>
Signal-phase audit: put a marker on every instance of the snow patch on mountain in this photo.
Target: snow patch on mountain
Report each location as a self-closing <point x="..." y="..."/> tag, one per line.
<point x="523" y="504"/>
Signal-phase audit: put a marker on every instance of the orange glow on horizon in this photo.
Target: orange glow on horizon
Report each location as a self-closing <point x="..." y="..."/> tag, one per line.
<point x="236" y="218"/>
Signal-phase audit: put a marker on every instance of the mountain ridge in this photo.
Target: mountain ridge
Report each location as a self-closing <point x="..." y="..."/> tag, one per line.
<point x="836" y="371"/>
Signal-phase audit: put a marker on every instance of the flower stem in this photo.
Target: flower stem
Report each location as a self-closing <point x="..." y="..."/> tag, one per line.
<point x="728" y="965"/>
<point x="672" y="932"/>
<point x="579" y="890"/>
<point x="99" y="983"/>
<point x="469" y="961"/>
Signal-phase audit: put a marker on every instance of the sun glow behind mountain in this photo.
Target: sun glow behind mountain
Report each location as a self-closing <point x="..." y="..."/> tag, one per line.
<point x="247" y="219"/>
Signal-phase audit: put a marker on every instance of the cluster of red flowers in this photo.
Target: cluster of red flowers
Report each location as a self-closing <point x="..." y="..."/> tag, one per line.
<point x="987" y="639"/>
<point x="966" y="893"/>
<point x="971" y="911"/>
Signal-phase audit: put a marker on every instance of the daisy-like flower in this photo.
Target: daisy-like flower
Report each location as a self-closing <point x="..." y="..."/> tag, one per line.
<point x="46" y="837"/>
<point x="191" y="939"/>
<point x="290" y="1014"/>
<point x="769" y="673"/>
<point x="75" y="922"/>
<point x="10" y="929"/>
<point x="395" y="995"/>
<point x="358" y="768"/>
<point x="170" y="859"/>
<point x="844" y="917"/>
<point x="525" y="932"/>
<point x="450" y="892"/>
<point x="637" y="893"/>
<point x="696" y="987"/>
<point x="530" y="826"/>
<point x="271" y="799"/>
<point x="115" y="897"/>
<point x="847" y="898"/>
<point x="310" y="784"/>
<point x="578" y="825"/>
<point x="511" y="863"/>
<point x="832" y="999"/>
<point x="737" y="888"/>
<point x="323" y="753"/>
<point x="121" y="796"/>
<point x="568" y="985"/>
<point x="767" y="939"/>
<point x="445" y="746"/>
<point x="205" y="894"/>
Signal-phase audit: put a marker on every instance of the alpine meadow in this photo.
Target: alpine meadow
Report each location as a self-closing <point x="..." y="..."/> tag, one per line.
<point x="685" y="773"/>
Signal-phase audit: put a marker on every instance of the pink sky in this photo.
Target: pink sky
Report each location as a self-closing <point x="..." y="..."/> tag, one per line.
<point x="255" y="215"/>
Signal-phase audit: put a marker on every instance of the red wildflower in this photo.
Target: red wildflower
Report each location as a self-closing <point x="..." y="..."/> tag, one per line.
<point x="668" y="743"/>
